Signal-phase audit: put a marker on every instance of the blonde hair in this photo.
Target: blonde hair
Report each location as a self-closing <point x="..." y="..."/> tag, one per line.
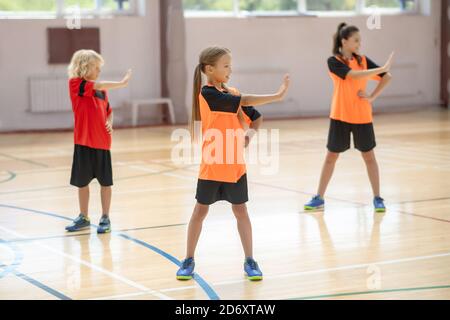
<point x="82" y="61"/>
<point x="208" y="57"/>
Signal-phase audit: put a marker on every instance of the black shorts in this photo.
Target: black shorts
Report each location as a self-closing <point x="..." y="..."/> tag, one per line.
<point x="209" y="192"/>
<point x="89" y="164"/>
<point x="339" y="136"/>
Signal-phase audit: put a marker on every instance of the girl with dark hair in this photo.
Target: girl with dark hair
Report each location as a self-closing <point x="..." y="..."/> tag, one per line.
<point x="351" y="110"/>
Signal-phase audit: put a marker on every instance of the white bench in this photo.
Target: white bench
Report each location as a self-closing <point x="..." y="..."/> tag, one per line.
<point x="136" y="104"/>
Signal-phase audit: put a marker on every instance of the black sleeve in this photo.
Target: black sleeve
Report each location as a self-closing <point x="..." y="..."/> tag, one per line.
<point x="220" y="101"/>
<point x="338" y="68"/>
<point x="86" y="89"/>
<point x="100" y="94"/>
<point x="373" y="65"/>
<point x="251" y="113"/>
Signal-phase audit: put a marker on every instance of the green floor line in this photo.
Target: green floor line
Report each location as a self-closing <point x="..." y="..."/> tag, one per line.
<point x="371" y="292"/>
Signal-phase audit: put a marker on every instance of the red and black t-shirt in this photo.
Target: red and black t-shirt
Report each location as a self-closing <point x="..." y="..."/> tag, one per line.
<point x="91" y="109"/>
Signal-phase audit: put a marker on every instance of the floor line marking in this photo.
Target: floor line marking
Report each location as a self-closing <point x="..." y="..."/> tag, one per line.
<point x="92" y="266"/>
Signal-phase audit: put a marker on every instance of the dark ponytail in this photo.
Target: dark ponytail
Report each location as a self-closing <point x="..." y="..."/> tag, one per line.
<point x="344" y="32"/>
<point x="337" y="39"/>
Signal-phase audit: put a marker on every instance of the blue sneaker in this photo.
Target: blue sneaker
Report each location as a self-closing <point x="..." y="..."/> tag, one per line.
<point x="316" y="203"/>
<point x="186" y="271"/>
<point x="104" y="225"/>
<point x="252" y="270"/>
<point x="79" y="223"/>
<point x="378" y="203"/>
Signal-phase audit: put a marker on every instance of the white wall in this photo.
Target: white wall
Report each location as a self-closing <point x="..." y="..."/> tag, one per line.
<point x="126" y="42"/>
<point x="301" y="46"/>
<point x="266" y="47"/>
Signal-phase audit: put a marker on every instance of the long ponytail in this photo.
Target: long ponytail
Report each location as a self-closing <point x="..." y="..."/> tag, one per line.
<point x="196" y="116"/>
<point x="337" y="40"/>
<point x="208" y="57"/>
<point x="344" y="32"/>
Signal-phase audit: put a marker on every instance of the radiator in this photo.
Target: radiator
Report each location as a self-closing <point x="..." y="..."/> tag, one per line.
<point x="50" y="93"/>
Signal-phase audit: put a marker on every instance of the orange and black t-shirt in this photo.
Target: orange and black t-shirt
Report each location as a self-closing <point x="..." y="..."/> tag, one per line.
<point x="219" y="109"/>
<point x="347" y="106"/>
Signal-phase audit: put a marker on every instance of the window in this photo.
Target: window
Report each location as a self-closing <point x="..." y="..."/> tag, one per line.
<point x="98" y="6"/>
<point x="331" y="5"/>
<point x="210" y="7"/>
<point x="27" y="6"/>
<point x="297" y="7"/>
<point x="268" y="5"/>
<point x="83" y="5"/>
<point x="61" y="8"/>
<point x="393" y="4"/>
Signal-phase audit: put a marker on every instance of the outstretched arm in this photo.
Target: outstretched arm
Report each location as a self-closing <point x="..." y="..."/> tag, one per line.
<point x="110" y="85"/>
<point x="259" y="100"/>
<point x="372" y="72"/>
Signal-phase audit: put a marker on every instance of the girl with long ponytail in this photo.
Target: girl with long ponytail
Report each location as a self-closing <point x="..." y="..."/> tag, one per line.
<point x="351" y="110"/>
<point x="223" y="176"/>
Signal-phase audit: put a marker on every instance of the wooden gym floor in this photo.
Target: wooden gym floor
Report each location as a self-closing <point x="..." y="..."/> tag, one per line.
<point x="346" y="252"/>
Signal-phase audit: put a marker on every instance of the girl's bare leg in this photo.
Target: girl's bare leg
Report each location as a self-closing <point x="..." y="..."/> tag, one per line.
<point x="327" y="172"/>
<point x="244" y="228"/>
<point x="195" y="228"/>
